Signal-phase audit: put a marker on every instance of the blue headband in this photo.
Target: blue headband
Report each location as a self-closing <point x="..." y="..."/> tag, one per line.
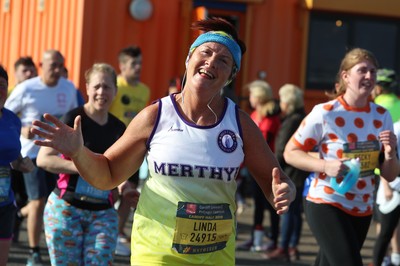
<point x="222" y="38"/>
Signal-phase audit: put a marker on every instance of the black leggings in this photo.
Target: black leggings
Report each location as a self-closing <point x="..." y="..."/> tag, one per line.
<point x="388" y="224"/>
<point x="339" y="235"/>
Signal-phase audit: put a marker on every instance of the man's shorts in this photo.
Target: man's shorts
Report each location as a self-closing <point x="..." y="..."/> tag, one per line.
<point x="39" y="183"/>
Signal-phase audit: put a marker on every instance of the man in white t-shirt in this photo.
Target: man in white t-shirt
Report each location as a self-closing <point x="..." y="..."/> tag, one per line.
<point x="24" y="68"/>
<point x="47" y="93"/>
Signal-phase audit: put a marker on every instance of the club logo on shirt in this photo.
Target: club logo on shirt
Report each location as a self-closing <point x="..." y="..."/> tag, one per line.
<point x="227" y="141"/>
<point x="62" y="99"/>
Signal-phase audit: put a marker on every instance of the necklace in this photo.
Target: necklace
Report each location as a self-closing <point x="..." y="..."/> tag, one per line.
<point x="183" y="109"/>
<point x="208" y="106"/>
<point x="192" y="120"/>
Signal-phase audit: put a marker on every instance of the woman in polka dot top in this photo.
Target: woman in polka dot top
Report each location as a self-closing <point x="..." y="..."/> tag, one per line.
<point x="349" y="126"/>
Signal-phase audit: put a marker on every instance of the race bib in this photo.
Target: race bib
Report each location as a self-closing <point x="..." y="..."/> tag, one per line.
<point x="367" y="152"/>
<point x="201" y="228"/>
<point x="84" y="188"/>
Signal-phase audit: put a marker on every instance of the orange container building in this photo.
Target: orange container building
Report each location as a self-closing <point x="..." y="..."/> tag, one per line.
<point x="285" y="39"/>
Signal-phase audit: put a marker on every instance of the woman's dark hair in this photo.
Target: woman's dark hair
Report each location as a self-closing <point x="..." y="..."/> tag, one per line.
<point x="219" y="24"/>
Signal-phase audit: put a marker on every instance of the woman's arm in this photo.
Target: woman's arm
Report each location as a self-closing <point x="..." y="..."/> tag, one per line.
<point x="390" y="166"/>
<point x="103" y="171"/>
<point x="49" y="159"/>
<point x="262" y="164"/>
<point x="309" y="162"/>
<point x="387" y="190"/>
<point x="303" y="160"/>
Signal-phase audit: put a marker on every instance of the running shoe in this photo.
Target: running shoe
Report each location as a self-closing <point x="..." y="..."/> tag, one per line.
<point x="34" y="260"/>
<point x="124" y="238"/>
<point x="122" y="249"/>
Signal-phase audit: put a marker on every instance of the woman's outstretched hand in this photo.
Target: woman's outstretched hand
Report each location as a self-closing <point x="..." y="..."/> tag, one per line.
<point x="56" y="134"/>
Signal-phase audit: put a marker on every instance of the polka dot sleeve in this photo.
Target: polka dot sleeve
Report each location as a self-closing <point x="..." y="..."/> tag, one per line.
<point x="310" y="131"/>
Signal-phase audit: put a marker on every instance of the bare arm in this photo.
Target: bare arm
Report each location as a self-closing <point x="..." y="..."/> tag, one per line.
<point x="336" y="168"/>
<point x="49" y="159"/>
<point x="390" y="166"/>
<point x="117" y="164"/>
<point x="262" y="164"/>
<point x="387" y="190"/>
<point x="310" y="162"/>
<point x="303" y="160"/>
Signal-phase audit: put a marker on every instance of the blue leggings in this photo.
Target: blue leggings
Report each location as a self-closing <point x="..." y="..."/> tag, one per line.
<point x="79" y="237"/>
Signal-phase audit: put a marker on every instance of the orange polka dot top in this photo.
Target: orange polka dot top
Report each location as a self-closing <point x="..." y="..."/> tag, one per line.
<point x="337" y="131"/>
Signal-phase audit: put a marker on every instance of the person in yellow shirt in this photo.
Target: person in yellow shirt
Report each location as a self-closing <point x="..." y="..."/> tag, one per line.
<point x="132" y="96"/>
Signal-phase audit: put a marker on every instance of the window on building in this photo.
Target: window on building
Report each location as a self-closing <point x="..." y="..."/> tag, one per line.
<point x="331" y="35"/>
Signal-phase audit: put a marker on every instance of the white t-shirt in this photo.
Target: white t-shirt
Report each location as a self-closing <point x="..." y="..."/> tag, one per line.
<point x="341" y="131"/>
<point x="32" y="98"/>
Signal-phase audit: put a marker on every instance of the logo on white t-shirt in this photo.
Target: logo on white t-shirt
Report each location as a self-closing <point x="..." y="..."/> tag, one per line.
<point x="227" y="141"/>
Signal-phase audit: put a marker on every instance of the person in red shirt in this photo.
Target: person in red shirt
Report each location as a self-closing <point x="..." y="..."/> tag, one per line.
<point x="266" y="116"/>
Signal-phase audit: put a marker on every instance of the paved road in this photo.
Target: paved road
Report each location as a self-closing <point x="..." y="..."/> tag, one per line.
<point x="308" y="246"/>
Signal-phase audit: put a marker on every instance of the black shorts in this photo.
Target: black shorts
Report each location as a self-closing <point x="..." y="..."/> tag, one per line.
<point x="7" y="218"/>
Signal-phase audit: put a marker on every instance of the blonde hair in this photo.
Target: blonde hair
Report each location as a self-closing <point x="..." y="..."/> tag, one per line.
<point x="352" y="58"/>
<point x="292" y="96"/>
<point x="103" y="68"/>
<point x="261" y="90"/>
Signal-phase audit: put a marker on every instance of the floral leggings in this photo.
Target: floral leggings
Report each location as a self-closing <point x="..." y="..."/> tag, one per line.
<point x="76" y="236"/>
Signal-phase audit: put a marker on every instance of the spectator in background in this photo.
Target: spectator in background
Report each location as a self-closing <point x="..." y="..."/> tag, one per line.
<point x="132" y="96"/>
<point x="47" y="93"/>
<point x="10" y="157"/>
<point x="266" y="116"/>
<point x="292" y="113"/>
